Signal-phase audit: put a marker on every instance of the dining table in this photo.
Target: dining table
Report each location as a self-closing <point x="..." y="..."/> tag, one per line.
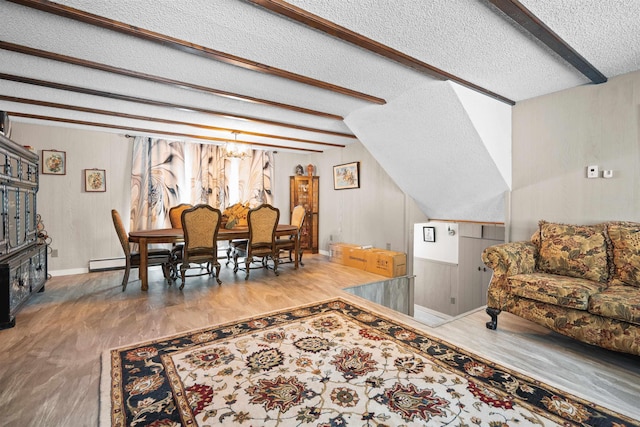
<point x="172" y="235"/>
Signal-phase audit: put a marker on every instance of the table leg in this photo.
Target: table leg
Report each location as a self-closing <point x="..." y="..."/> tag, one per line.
<point x="143" y="269"/>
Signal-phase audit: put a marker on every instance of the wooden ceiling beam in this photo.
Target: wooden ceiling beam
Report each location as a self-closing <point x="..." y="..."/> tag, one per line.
<point x="188" y="47"/>
<point x="157" y="79"/>
<point x="111" y="95"/>
<point x="151" y="131"/>
<point x="300" y="15"/>
<point x="158" y="120"/>
<point x="527" y="20"/>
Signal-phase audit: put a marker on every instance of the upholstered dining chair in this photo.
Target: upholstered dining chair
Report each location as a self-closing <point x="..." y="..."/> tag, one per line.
<point x="175" y="214"/>
<point x="132" y="259"/>
<point x="175" y="217"/>
<point x="262" y="222"/>
<point x="200" y="224"/>
<point x="289" y="243"/>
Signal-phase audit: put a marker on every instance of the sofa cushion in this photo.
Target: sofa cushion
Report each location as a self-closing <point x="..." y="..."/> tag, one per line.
<point x="574" y="250"/>
<point x="563" y="291"/>
<point x="619" y="302"/>
<point x="625" y="244"/>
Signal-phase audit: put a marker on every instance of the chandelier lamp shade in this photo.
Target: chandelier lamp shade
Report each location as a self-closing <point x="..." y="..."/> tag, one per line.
<point x="233" y="149"/>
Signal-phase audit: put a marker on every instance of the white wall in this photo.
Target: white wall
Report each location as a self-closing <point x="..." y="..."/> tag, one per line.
<point x="378" y="213"/>
<point x="79" y="223"/>
<point x="492" y="121"/>
<point x="556" y="136"/>
<point x="444" y="249"/>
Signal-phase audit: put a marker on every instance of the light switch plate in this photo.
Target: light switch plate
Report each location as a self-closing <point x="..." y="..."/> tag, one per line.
<point x="592" y="171"/>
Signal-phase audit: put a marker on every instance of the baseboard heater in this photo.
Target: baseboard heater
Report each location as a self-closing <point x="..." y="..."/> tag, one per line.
<point x="106" y="264"/>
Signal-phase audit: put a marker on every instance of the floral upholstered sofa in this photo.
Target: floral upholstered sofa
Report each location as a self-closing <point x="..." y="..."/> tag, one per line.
<point x="582" y="281"/>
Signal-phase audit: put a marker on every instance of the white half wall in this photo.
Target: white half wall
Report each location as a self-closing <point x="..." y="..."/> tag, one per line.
<point x="445" y="247"/>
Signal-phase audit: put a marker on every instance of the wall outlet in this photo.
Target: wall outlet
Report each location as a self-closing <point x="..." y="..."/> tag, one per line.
<point x="592" y="171"/>
<point x="388" y="246"/>
<point x="54" y="253"/>
<point x="607" y="173"/>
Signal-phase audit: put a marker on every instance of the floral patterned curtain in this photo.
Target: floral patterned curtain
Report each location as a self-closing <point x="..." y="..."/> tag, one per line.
<point x="207" y="175"/>
<point x="161" y="177"/>
<point x="157" y="179"/>
<point x="255" y="178"/>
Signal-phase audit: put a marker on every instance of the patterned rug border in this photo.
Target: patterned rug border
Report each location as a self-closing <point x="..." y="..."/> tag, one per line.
<point x="106" y="359"/>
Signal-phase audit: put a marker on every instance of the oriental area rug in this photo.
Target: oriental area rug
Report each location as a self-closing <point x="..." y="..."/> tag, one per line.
<point x="329" y="364"/>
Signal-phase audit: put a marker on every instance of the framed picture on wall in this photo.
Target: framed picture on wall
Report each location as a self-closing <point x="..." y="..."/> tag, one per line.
<point x="95" y="180"/>
<point x="429" y="234"/>
<point x="54" y="162"/>
<point x="346" y="176"/>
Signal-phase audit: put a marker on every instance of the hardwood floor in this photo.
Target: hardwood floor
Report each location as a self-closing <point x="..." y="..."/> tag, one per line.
<point x="50" y="361"/>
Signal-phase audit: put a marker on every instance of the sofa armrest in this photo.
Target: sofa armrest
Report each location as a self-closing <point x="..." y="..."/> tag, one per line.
<point x="508" y="259"/>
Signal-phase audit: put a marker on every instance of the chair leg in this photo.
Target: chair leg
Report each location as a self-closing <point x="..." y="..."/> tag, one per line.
<point x="125" y="279"/>
<point x="166" y="271"/>
<point x="275" y="265"/>
<point x="228" y="255"/>
<point x="235" y="262"/>
<point x="218" y="274"/>
<point x="183" y="272"/>
<point x="247" y="263"/>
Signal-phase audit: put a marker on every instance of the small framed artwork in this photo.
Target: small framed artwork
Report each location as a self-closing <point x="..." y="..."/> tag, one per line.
<point x="54" y="162"/>
<point x="95" y="180"/>
<point x="346" y="176"/>
<point x="429" y="234"/>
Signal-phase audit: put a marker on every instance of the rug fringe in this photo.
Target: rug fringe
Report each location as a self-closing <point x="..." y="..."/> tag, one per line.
<point x="104" y="410"/>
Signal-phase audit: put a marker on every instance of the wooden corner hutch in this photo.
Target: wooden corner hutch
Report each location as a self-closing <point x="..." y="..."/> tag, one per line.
<point x="305" y="191"/>
<point x="23" y="262"/>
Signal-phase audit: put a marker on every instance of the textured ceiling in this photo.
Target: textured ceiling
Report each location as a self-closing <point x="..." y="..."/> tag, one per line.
<point x="469" y="39"/>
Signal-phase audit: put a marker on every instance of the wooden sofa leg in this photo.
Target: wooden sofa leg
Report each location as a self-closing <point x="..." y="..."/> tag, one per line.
<point x="493" y="312"/>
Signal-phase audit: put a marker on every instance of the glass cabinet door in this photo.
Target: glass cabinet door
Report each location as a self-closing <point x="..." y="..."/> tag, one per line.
<point x="13" y="167"/>
<point x="4" y="235"/>
<point x="4" y="164"/>
<point x="28" y="215"/>
<point x="28" y="172"/>
<point x="13" y="217"/>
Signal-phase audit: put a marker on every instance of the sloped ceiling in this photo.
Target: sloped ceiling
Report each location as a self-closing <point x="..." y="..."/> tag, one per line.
<point x="446" y="168"/>
<point x="201" y="69"/>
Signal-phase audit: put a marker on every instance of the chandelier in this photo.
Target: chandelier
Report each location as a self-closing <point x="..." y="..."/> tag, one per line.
<point x="233" y="149"/>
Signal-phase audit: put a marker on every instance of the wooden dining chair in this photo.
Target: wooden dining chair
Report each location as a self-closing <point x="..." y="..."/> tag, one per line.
<point x="175" y="218"/>
<point x="132" y="259"/>
<point x="288" y="244"/>
<point x="262" y="222"/>
<point x="200" y="224"/>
